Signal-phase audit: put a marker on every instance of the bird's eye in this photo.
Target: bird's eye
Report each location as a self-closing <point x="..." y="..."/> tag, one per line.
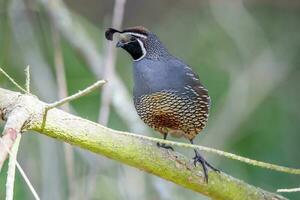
<point x="132" y="39"/>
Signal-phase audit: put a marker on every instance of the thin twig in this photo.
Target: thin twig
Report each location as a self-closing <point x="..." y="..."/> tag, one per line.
<point x="76" y="95"/>
<point x="289" y="190"/>
<point x="12" y="81"/>
<point x="27" y="84"/>
<point x="12" y="169"/>
<point x="23" y="174"/>
<point x="220" y="153"/>
<point x="31" y="188"/>
<point x="71" y="98"/>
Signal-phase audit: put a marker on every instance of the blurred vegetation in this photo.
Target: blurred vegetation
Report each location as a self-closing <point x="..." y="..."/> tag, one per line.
<point x="218" y="50"/>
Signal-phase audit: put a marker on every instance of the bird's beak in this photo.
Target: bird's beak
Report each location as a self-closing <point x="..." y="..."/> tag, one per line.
<point x="123" y="40"/>
<point x="119" y="44"/>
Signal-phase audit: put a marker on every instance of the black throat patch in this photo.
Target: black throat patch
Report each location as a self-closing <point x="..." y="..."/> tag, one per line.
<point x="134" y="49"/>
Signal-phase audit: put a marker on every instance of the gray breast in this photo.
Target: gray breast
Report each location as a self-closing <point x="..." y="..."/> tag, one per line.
<point x="152" y="76"/>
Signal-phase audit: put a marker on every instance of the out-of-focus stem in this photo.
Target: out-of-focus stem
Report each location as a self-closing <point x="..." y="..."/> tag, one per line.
<point x="109" y="64"/>
<point x="62" y="93"/>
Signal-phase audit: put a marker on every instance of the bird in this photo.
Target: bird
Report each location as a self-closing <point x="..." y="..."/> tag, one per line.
<point x="168" y="95"/>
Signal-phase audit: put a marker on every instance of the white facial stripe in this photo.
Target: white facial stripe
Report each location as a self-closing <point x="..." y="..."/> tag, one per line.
<point x="135" y="34"/>
<point x="143" y="50"/>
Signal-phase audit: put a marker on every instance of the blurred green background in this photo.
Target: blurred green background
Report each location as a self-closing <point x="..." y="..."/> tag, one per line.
<point x="246" y="52"/>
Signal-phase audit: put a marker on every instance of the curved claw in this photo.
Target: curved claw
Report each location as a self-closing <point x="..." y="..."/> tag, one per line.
<point x="212" y="167"/>
<point x="205" y="164"/>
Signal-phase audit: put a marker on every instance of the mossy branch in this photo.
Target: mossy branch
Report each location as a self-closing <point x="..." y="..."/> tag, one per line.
<point x="134" y="151"/>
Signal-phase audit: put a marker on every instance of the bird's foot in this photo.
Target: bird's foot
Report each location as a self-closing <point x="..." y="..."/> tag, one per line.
<point x="199" y="159"/>
<point x="163" y="145"/>
<point x="212" y="167"/>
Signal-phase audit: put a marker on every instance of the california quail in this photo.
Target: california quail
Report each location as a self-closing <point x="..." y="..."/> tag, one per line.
<point x="168" y="95"/>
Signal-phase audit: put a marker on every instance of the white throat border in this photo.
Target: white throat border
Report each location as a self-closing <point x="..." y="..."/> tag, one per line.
<point x="143" y="50"/>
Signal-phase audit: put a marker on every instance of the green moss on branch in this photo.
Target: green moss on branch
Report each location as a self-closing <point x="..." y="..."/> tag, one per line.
<point x="133" y="151"/>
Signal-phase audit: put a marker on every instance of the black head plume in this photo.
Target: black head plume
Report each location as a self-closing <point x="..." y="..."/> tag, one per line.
<point x="109" y="33"/>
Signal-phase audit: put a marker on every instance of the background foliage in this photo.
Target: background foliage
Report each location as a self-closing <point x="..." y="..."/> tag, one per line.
<point x="246" y="53"/>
